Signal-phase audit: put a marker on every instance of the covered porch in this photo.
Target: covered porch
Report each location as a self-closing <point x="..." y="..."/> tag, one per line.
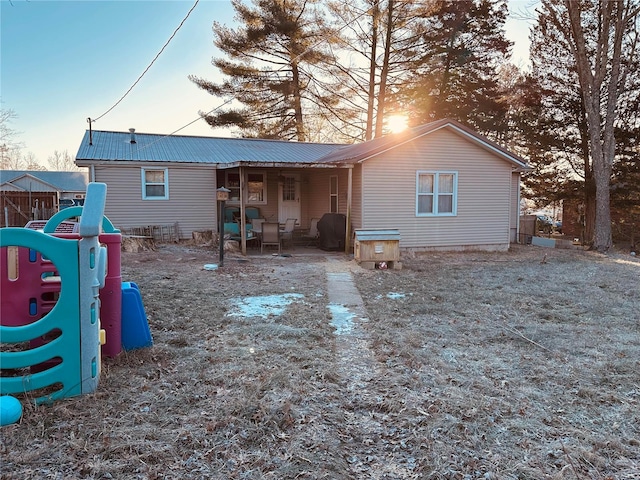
<point x="278" y="192"/>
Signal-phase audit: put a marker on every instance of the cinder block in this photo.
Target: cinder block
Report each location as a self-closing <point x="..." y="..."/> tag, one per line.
<point x="368" y="265"/>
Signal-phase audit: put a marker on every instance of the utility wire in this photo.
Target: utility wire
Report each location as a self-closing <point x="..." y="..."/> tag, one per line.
<point x="152" y="62"/>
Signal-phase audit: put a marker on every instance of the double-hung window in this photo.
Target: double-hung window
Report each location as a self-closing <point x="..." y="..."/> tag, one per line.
<point x="155" y="184"/>
<point x="436" y="193"/>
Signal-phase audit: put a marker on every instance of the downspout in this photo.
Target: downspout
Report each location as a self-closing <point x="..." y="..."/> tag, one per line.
<point x="347" y="239"/>
<point x="518" y="210"/>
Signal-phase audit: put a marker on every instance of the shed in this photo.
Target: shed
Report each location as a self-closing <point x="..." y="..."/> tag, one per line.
<point x="27" y="195"/>
<point x="375" y="246"/>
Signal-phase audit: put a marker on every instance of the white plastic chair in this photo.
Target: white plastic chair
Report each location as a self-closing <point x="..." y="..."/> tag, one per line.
<point x="313" y="234"/>
<point x="287" y="232"/>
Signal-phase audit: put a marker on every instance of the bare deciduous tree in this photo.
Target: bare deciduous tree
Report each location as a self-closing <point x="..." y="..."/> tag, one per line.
<point x="10" y="147"/>
<point x="601" y="81"/>
<point x="62" y="161"/>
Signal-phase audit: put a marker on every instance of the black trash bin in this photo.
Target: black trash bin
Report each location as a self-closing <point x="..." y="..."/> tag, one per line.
<point x="332" y="228"/>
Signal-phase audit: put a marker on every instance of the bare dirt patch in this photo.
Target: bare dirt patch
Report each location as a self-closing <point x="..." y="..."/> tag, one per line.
<point x="469" y="365"/>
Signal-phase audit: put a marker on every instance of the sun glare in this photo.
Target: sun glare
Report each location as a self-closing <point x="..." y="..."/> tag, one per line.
<point x="397" y="123"/>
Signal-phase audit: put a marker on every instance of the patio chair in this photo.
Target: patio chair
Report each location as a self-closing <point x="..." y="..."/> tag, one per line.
<point x="232" y="231"/>
<point x="251" y="213"/>
<point x="256" y="225"/>
<point x="287" y="231"/>
<point x="231" y="213"/>
<point x="313" y="234"/>
<point x="270" y="236"/>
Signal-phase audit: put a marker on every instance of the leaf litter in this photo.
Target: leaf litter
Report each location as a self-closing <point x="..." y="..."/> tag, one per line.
<point x="468" y="365"/>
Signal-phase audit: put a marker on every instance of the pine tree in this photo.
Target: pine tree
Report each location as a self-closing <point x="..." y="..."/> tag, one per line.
<point x="269" y="69"/>
<point x="462" y="45"/>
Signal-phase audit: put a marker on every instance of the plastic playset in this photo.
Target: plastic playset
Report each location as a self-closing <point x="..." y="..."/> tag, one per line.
<point x="63" y="304"/>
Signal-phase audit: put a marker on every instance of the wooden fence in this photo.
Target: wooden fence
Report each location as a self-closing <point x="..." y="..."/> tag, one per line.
<point x="18" y="208"/>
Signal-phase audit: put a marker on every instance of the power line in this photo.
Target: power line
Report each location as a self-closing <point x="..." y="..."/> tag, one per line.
<point x="200" y="117"/>
<point x="152" y="62"/>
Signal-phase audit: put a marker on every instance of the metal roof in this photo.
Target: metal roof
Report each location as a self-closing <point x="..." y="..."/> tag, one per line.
<point x="117" y="146"/>
<point x="228" y="152"/>
<point x="61" y="181"/>
<point x="362" y="151"/>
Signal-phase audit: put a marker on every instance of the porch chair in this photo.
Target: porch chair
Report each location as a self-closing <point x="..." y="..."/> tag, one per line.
<point x="256" y="225"/>
<point x="251" y="213"/>
<point x="232" y="232"/>
<point x="270" y="236"/>
<point x="313" y="234"/>
<point x="231" y="213"/>
<point x="256" y="229"/>
<point x="287" y="230"/>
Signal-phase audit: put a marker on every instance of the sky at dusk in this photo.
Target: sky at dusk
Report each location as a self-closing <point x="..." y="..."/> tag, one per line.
<point x="64" y="61"/>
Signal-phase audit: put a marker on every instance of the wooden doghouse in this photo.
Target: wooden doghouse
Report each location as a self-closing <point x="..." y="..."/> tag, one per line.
<point x="378" y="248"/>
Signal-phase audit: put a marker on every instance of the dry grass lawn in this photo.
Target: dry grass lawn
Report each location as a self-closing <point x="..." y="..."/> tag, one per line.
<point x="465" y="366"/>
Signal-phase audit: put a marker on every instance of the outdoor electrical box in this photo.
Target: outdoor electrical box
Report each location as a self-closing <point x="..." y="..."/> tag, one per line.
<point x="378" y="248"/>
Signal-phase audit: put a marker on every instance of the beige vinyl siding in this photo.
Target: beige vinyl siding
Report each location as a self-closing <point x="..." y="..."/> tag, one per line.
<point x="356" y="198"/>
<point x="317" y="187"/>
<point x="483" y="200"/>
<point x="316" y="191"/>
<point x="191" y="203"/>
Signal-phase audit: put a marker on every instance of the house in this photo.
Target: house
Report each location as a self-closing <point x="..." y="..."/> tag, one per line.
<point x="441" y="185"/>
<point x="38" y="195"/>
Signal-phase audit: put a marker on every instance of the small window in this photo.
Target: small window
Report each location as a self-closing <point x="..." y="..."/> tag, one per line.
<point x="155" y="184"/>
<point x="333" y="194"/>
<point x="256" y="193"/>
<point x="255" y="187"/>
<point x="289" y="189"/>
<point x="233" y="184"/>
<point x="436" y="193"/>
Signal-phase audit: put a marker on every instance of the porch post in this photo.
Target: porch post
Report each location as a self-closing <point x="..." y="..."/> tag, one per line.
<point x="347" y="240"/>
<point x="243" y="220"/>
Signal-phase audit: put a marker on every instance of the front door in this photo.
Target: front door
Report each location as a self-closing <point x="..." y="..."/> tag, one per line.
<point x="289" y="197"/>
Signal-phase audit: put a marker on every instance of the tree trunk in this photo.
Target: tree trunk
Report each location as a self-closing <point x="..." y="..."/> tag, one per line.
<point x="297" y="100"/>
<point x="373" y="66"/>
<point x="600" y="118"/>
<point x="589" y="221"/>
<point x="382" y="90"/>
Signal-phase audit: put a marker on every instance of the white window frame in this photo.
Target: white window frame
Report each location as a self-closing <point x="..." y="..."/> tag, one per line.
<point x="227" y="184"/>
<point x="436" y="193"/>
<point x="333" y="195"/>
<point x="145" y="184"/>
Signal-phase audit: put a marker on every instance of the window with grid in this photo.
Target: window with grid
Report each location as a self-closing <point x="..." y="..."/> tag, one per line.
<point x="289" y="189"/>
<point x="155" y="184"/>
<point x="436" y="193"/>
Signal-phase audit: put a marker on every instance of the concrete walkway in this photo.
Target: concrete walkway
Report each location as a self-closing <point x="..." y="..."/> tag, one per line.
<point x="359" y="371"/>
